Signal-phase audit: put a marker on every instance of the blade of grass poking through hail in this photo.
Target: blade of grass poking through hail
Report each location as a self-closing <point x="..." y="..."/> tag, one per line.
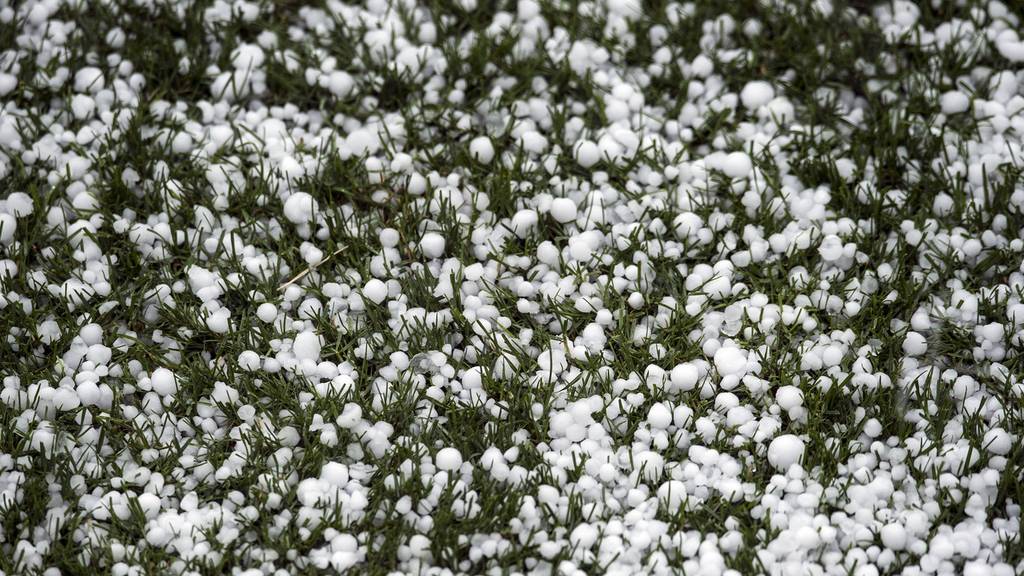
<point x="511" y="287"/>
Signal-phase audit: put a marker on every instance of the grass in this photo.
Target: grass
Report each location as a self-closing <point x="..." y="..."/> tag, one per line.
<point x="892" y="144"/>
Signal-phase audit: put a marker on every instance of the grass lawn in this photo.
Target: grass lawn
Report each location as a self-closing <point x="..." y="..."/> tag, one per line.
<point x="489" y="287"/>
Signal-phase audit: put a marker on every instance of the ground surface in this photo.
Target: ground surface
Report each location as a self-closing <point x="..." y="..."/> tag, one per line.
<point x="558" y="287"/>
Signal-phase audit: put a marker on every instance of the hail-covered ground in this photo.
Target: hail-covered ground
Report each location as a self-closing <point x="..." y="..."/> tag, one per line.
<point x="713" y="288"/>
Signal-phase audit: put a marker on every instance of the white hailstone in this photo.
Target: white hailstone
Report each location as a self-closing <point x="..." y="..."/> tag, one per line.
<point x="419" y="545"/>
<point x="584" y="536"/>
<point x="218" y="321"/>
<point x="730" y="360"/>
<point x="650" y="464"/>
<point x="993" y="332"/>
<point x="954" y="102"/>
<point x="249" y="361"/>
<point x="998" y="441"/>
<point x="182" y="143"/>
<point x="300" y="208"/>
<point x="784" y="451"/>
<point x="365" y="140"/>
<point x="659" y="417"/>
<point x="340" y="83"/>
<point x="673" y="494"/>
<point x="266" y="312"/>
<point x="350" y="416"/>
<point x="20" y="204"/>
<point x="88" y="393"/>
<point x="1010" y="46"/>
<point x="65" y="399"/>
<point x="448" y="459"/>
<point x="89" y="79"/>
<point x="231" y="86"/>
<point x="389" y="237"/>
<point x="737" y="165"/>
<point x="738" y="416"/>
<point x="335" y="474"/>
<point x="311" y="254"/>
<point x="756" y="93"/>
<point x="523" y="222"/>
<point x="375" y="291"/>
<point x="8" y="268"/>
<point x="506" y="366"/>
<point x="914" y="344"/>
<point x="8" y="82"/>
<point x="684" y="377"/>
<point x="831" y="248"/>
<point x="247" y="57"/>
<point x="163" y="381"/>
<point x="150" y="504"/>
<point x="943" y="204"/>
<point x="587" y="153"/>
<point x="8" y="225"/>
<point x="432" y="244"/>
<point x="82" y="106"/>
<point x="894" y="536"/>
<point x="687" y="224"/>
<point x="635" y="300"/>
<point x="307" y="346"/>
<point x="789" y="397"/>
<point x="91" y="333"/>
<point x="563" y="210"/>
<point x="482" y="149"/>
<point x="552" y="361"/>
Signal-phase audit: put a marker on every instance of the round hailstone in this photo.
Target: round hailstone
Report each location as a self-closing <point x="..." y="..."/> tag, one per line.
<point x="482" y="149"/>
<point x="88" y="393"/>
<point x="448" y="459"/>
<point x="7" y="227"/>
<point x="389" y="237"/>
<point x="737" y="165"/>
<point x="563" y="210"/>
<point x="738" y="416"/>
<point x="894" y="536"/>
<point x="247" y="57"/>
<point x="164" y="382"/>
<point x="673" y="494"/>
<point x="587" y="154"/>
<point x="432" y="244"/>
<point x="650" y="464"/>
<point x="523" y="222"/>
<point x="340" y="83"/>
<point x="249" y="361"/>
<point x="89" y="79"/>
<point x="730" y="360"/>
<point x="914" y="344"/>
<point x="684" y="376"/>
<point x="300" y="208"/>
<point x="8" y="82"/>
<point x="266" y="312"/>
<point x="307" y="346"/>
<point x="756" y="94"/>
<point x="150" y="504"/>
<point x="998" y="441"/>
<point x="687" y="224"/>
<point x="784" y="451"/>
<point x="659" y="417"/>
<point x="375" y="291"/>
<point x="334" y="473"/>
<point x="954" y="102"/>
<point x="363" y="141"/>
<point x="19" y="204"/>
<point x="789" y="397"/>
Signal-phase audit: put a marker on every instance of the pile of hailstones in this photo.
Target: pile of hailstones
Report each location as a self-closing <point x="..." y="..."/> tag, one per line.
<point x="610" y="469"/>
